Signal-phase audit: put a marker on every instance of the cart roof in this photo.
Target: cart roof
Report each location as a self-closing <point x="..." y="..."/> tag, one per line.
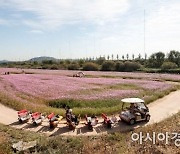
<point x="132" y="100"/>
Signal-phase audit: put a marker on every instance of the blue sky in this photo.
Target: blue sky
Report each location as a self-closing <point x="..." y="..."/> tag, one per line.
<point x="87" y="28"/>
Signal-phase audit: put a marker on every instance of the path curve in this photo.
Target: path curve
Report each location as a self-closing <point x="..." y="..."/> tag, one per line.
<point x="159" y="110"/>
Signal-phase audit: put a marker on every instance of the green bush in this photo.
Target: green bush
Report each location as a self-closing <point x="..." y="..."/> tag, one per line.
<point x="108" y="66"/>
<point x="45" y="67"/>
<point x="119" y="66"/>
<point x="73" y="67"/>
<point x="131" y="66"/>
<point x="90" y="67"/>
<point x="54" y="67"/>
<point x="168" y="65"/>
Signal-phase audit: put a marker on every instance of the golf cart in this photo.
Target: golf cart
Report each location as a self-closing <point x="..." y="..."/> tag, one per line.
<point x="137" y="111"/>
<point x="37" y="118"/>
<point x="24" y="116"/>
<point x="79" y="74"/>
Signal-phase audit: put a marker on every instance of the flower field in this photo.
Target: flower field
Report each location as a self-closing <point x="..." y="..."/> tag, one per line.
<point x="96" y="93"/>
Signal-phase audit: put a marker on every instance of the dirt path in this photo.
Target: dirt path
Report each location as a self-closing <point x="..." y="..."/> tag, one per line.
<point x="159" y="110"/>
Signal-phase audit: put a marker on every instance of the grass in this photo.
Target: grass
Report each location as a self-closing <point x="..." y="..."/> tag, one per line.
<point x="111" y="143"/>
<point x="84" y="103"/>
<point x="131" y="77"/>
<point x="103" y="88"/>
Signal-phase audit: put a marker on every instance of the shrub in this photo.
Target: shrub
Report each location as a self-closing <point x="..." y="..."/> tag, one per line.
<point x="54" y="67"/>
<point x="73" y="66"/>
<point x="81" y="62"/>
<point x="48" y="62"/>
<point x="45" y="67"/>
<point x="168" y="65"/>
<point x="131" y="66"/>
<point x="119" y="66"/>
<point x="108" y="66"/>
<point x="61" y="62"/>
<point x="100" y="60"/>
<point x="90" y="66"/>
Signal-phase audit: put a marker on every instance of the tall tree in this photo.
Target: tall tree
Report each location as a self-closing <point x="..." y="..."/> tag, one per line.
<point x="117" y="57"/>
<point x="145" y="56"/>
<point x="127" y="56"/>
<point x="122" y="57"/>
<point x="133" y="56"/>
<point x="112" y="56"/>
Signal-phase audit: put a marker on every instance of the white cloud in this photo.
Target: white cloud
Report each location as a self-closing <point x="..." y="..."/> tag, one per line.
<point x="165" y="20"/>
<point x="163" y="28"/>
<point x="36" y="31"/>
<point x="50" y="14"/>
<point x="3" y="22"/>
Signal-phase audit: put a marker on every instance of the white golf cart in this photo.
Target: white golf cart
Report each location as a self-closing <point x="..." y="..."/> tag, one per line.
<point x="79" y="74"/>
<point x="137" y="111"/>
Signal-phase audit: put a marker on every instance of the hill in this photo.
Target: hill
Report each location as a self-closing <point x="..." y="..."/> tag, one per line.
<point x="3" y="61"/>
<point x="40" y="59"/>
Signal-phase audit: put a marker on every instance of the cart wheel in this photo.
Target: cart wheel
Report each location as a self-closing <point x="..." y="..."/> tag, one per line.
<point x="147" y="118"/>
<point x="109" y="125"/>
<point x="20" y="121"/>
<point x="132" y="122"/>
<point x="34" y="123"/>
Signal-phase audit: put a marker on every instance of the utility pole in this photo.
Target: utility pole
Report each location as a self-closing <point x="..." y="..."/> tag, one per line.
<point x="144" y="31"/>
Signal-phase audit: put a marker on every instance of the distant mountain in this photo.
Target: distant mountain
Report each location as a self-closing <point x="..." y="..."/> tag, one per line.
<point x="40" y="59"/>
<point x="3" y="61"/>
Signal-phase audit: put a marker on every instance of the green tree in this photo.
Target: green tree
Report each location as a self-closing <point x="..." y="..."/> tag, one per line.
<point x="168" y="65"/>
<point x="131" y="66"/>
<point x="100" y="60"/>
<point x="90" y="66"/>
<point x="112" y="56"/>
<point x="122" y="57"/>
<point x="81" y="62"/>
<point x="108" y="66"/>
<point x="119" y="66"/>
<point x="156" y="60"/>
<point x="127" y="56"/>
<point x="133" y="56"/>
<point x="73" y="66"/>
<point x="174" y="56"/>
<point x="145" y="56"/>
<point x="117" y="57"/>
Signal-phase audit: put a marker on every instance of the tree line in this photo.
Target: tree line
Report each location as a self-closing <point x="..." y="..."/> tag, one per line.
<point x="157" y="62"/>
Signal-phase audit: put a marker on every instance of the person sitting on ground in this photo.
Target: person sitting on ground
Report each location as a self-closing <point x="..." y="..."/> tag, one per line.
<point x="114" y="119"/>
<point x="75" y="119"/>
<point x="68" y="117"/>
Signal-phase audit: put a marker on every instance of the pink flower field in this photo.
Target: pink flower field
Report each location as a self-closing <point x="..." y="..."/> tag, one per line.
<point x="48" y="86"/>
<point x="149" y="76"/>
<point x="38" y="90"/>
